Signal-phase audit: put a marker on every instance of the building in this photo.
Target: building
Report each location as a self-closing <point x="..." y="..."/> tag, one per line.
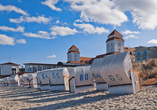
<point x="34" y="67"/>
<point x="6" y="69"/>
<point x="73" y="57"/>
<point x="144" y="53"/>
<point x="115" y="45"/>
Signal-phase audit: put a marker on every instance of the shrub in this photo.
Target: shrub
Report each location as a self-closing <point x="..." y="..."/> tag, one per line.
<point x="147" y="68"/>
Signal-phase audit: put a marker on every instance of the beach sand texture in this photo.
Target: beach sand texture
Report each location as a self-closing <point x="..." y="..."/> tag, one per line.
<point x="17" y="98"/>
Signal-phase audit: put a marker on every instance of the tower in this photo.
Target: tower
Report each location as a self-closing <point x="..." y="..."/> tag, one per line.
<point x="73" y="54"/>
<point x="115" y="42"/>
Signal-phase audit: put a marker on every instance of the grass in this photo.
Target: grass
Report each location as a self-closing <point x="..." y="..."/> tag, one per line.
<point x="147" y="68"/>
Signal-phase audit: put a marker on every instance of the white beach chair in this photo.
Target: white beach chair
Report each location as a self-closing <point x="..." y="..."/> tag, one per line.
<point x="13" y="80"/>
<point x="43" y="80"/>
<point x="33" y="81"/>
<point x="95" y="71"/>
<point x="59" y="79"/>
<point x="80" y="79"/>
<point x="25" y="80"/>
<point x="5" y="81"/>
<point x="117" y="72"/>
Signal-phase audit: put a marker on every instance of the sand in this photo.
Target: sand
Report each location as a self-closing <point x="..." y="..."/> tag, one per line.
<point x="17" y="98"/>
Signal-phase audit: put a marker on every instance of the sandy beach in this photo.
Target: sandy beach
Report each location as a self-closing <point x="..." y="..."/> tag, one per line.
<point x="17" y="98"/>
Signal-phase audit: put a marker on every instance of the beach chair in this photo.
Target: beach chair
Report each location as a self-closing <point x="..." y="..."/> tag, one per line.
<point x="13" y="80"/>
<point x="80" y="79"/>
<point x="5" y="81"/>
<point x="118" y="72"/>
<point x="33" y="81"/>
<point x="25" y="80"/>
<point x="43" y="80"/>
<point x="95" y="72"/>
<point x="59" y="79"/>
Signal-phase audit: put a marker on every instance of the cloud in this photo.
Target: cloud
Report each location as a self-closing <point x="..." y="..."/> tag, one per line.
<point x="126" y="32"/>
<point x="91" y="29"/>
<point x="101" y="11"/>
<point x="131" y="36"/>
<point x="21" y="41"/>
<point x="39" y="34"/>
<point x="12" y="8"/>
<point x="51" y="56"/>
<point x="62" y="31"/>
<point x="51" y="4"/>
<point x="57" y="21"/>
<point x="18" y="29"/>
<point x="144" y="12"/>
<point x="38" y="19"/>
<point x="153" y="41"/>
<point x="6" y="40"/>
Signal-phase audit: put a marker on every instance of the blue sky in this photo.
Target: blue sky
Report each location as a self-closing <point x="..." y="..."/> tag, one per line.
<point x="42" y="31"/>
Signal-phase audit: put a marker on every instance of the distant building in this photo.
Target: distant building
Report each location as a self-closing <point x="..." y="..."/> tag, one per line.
<point x="73" y="57"/>
<point x="34" y="67"/>
<point x="6" y="69"/>
<point x="115" y="45"/>
<point x="144" y="53"/>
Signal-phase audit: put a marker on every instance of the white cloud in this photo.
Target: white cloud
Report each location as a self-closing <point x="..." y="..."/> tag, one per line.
<point x="12" y="8"/>
<point x="18" y="29"/>
<point x="102" y="11"/>
<point x="51" y="56"/>
<point x="39" y="34"/>
<point x="21" y="41"/>
<point x="153" y="41"/>
<point x="131" y="36"/>
<point x="38" y="19"/>
<point x="144" y="12"/>
<point x="62" y="31"/>
<point x="91" y="29"/>
<point x="6" y="40"/>
<point x="130" y="32"/>
<point x="51" y="4"/>
<point x="57" y="21"/>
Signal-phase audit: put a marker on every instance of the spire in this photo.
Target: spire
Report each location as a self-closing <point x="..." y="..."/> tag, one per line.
<point x="115" y="32"/>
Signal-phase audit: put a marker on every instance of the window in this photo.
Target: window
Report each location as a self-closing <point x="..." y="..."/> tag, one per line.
<point x="69" y="57"/>
<point x="144" y="58"/>
<point x="75" y="57"/>
<point x="108" y="50"/>
<point x="0" y="70"/>
<point x="111" y="44"/>
<point x="111" y="49"/>
<point x="138" y="59"/>
<point x="138" y="54"/>
<point x="145" y="52"/>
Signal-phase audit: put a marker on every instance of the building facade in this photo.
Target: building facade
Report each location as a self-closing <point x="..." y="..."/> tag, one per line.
<point x="115" y="45"/>
<point x="144" y="53"/>
<point x="73" y="57"/>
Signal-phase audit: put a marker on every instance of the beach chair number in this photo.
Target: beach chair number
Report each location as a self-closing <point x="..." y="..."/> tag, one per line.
<point x="57" y="75"/>
<point x="113" y="79"/>
<point x="44" y="76"/>
<point x="81" y="77"/>
<point x="96" y="76"/>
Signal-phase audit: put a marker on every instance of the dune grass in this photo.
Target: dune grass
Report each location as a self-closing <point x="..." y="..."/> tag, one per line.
<point x="147" y="68"/>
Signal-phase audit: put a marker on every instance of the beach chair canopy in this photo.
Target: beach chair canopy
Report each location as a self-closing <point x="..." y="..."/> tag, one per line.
<point x="116" y="69"/>
<point x="96" y="68"/>
<point x="13" y="79"/>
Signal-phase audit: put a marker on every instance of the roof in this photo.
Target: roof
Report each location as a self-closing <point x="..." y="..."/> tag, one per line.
<point x="73" y="47"/>
<point x="115" y="38"/>
<point x="150" y="82"/>
<point x="85" y="58"/>
<point x="129" y="49"/>
<point x="10" y="63"/>
<point x="39" y="64"/>
<point x="73" y="52"/>
<point x="115" y="32"/>
<point x="102" y="55"/>
<point x="147" y="48"/>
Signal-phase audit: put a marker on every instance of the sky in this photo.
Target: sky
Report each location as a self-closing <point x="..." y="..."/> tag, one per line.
<point x="42" y="31"/>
